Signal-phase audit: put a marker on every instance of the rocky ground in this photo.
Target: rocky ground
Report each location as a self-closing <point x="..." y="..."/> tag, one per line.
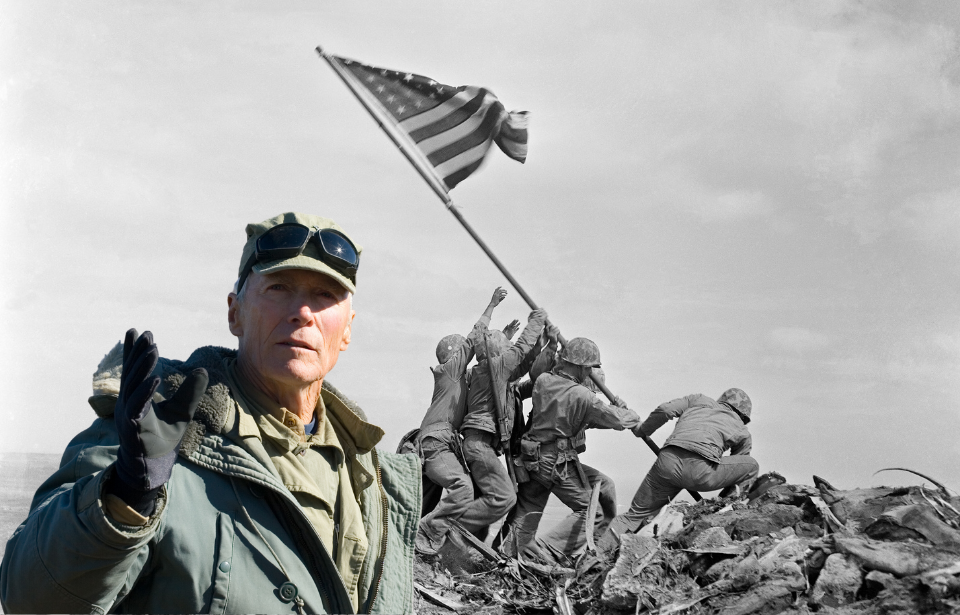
<point x="781" y="548"/>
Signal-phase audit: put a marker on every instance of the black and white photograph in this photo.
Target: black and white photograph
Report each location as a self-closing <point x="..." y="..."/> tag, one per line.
<point x="439" y="307"/>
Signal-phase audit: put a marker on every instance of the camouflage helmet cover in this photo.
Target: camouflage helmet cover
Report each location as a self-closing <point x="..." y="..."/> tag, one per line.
<point x="497" y="343"/>
<point x="738" y="400"/>
<point x="581" y="351"/>
<point x="448" y="346"/>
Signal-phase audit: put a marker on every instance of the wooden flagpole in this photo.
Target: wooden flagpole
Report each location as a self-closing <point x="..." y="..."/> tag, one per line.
<point x="413" y="156"/>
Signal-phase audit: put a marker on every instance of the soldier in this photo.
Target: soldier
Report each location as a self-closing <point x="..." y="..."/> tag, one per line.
<point x="565" y="536"/>
<point x="692" y="457"/>
<point x="484" y="429"/>
<point x="563" y="408"/>
<point x="439" y="432"/>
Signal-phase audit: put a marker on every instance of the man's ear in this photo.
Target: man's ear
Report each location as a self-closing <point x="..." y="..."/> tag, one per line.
<point x="347" y="332"/>
<point x="233" y="320"/>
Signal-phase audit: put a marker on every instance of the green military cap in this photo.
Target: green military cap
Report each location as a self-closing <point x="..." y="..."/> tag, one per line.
<point x="316" y="255"/>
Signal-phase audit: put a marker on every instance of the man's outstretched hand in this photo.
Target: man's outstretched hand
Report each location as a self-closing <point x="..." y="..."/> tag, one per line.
<point x="498" y="296"/>
<point x="511" y="329"/>
<point x="149" y="432"/>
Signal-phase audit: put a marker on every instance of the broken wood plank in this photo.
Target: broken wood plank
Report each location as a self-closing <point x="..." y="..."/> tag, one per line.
<point x="436" y="598"/>
<point x="591" y="520"/>
<point x="834" y="524"/>
<point x="563" y="601"/>
<point x="475" y="542"/>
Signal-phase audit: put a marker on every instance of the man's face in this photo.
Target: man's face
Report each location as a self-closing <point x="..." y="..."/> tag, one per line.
<point x="292" y="326"/>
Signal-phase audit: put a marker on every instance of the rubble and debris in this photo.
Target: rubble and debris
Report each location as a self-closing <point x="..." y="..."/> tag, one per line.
<point x="839" y="581"/>
<point x="781" y="548"/>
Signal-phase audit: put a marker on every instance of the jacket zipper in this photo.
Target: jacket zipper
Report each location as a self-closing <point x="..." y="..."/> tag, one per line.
<point x="294" y="526"/>
<point x="385" y="511"/>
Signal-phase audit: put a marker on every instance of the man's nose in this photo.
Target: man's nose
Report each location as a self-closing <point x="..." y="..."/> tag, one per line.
<point x="300" y="312"/>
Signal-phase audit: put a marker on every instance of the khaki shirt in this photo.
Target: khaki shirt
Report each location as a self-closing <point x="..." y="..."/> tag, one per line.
<point x="315" y="470"/>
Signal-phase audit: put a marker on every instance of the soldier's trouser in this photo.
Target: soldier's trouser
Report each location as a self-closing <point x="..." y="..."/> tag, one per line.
<point x="442" y="466"/>
<point x="569" y="534"/>
<point x="677" y="469"/>
<point x="490" y="476"/>
<point x="532" y="498"/>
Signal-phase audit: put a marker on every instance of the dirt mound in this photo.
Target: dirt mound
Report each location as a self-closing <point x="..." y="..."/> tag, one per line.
<point x="781" y="549"/>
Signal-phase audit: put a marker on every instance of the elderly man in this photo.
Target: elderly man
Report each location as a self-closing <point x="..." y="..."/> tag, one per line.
<point x="260" y="491"/>
<point x="692" y="457"/>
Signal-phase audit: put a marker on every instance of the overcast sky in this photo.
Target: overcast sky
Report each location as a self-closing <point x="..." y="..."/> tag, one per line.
<point x="760" y="195"/>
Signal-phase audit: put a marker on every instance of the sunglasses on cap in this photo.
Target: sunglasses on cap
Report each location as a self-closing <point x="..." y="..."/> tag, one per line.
<point x="290" y="239"/>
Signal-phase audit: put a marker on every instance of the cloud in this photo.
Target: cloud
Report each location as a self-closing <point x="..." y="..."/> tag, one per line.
<point x="798" y="339"/>
<point x="736" y="205"/>
<point x="949" y="343"/>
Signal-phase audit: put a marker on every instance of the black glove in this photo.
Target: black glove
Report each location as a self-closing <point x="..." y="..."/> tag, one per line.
<point x="149" y="433"/>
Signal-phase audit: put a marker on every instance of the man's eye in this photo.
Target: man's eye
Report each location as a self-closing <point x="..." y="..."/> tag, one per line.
<point x="276" y="287"/>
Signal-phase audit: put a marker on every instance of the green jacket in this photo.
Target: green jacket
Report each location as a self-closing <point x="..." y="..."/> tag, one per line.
<point x="227" y="535"/>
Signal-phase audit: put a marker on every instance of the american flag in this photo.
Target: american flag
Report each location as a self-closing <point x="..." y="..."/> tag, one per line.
<point x="453" y="127"/>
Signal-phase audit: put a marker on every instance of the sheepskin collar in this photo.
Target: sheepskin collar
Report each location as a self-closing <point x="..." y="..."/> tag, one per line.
<point x="217" y="403"/>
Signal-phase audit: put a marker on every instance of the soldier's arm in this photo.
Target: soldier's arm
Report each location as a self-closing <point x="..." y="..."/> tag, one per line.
<point x="476" y="334"/>
<point x="525" y="389"/>
<point x="744" y="446"/>
<point x="547" y="357"/>
<point x="69" y="555"/>
<point x="601" y="415"/>
<point x="666" y="411"/>
<point x="516" y="353"/>
<point x="462" y="358"/>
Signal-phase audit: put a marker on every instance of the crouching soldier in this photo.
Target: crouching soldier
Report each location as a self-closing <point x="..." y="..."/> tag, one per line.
<point x="563" y="409"/>
<point x="439" y="439"/>
<point x="237" y="481"/>
<point x="692" y="457"/>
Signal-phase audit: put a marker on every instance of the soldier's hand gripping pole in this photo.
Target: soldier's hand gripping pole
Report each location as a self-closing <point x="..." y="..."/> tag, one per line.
<point x="533" y="306"/>
<point x="613" y="400"/>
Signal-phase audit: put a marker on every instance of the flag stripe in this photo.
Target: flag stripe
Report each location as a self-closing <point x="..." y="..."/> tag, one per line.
<point x="458" y="176"/>
<point x="429" y="116"/>
<point x="451" y="119"/>
<point x="462" y="159"/>
<point x="483" y="134"/>
<point x="447" y="130"/>
<point x="456" y="133"/>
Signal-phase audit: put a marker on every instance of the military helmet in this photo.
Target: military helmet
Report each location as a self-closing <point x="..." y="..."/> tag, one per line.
<point x="448" y="346"/>
<point x="581" y="351"/>
<point x="496" y="341"/>
<point x="737" y="400"/>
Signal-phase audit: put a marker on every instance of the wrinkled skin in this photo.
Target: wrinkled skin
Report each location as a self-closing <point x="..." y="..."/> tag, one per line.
<point x="292" y="326"/>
